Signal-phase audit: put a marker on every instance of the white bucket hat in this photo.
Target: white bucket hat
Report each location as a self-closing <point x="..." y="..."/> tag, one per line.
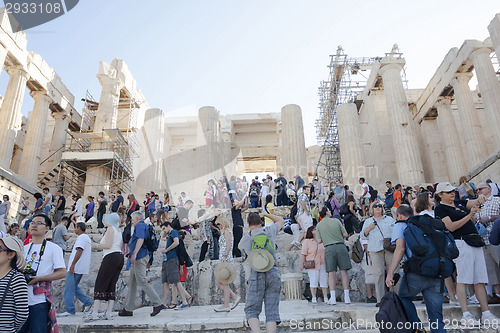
<point x="15" y="244"/>
<point x="260" y="260"/>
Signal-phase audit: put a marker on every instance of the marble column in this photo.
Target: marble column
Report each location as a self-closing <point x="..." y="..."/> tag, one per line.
<point x="107" y="112"/>
<point x="97" y="179"/>
<point x="210" y="159"/>
<point x="351" y="149"/>
<point x="473" y="138"/>
<point x="3" y="55"/>
<point x="33" y="144"/>
<point x="453" y="152"/>
<point x="10" y="112"/>
<point x="152" y="176"/>
<point x="494" y="29"/>
<point x="59" y="136"/>
<point x="293" y="147"/>
<point x="406" y="149"/>
<point x="490" y="90"/>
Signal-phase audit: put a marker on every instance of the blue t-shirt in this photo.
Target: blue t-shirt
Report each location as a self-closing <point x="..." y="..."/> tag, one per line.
<point x="151" y="205"/>
<point x="398" y="232"/>
<point x="116" y="203"/>
<point x="140" y="231"/>
<point x="170" y="239"/>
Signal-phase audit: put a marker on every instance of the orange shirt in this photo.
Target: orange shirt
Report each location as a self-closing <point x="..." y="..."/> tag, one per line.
<point x="396" y="195"/>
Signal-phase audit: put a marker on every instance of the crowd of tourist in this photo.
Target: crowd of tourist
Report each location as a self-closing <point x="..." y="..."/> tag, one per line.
<point x="321" y="219"/>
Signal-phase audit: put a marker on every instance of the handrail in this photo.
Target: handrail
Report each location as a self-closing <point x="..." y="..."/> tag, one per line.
<point x="45" y="160"/>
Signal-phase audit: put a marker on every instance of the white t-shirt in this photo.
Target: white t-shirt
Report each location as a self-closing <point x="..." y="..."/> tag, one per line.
<point x="49" y="203"/>
<point x="365" y="185"/>
<point x="83" y="264"/>
<point x="52" y="259"/>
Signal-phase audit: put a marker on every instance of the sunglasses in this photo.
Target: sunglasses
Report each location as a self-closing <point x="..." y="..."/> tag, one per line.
<point x="449" y="192"/>
<point x="377" y="206"/>
<point x="481" y="188"/>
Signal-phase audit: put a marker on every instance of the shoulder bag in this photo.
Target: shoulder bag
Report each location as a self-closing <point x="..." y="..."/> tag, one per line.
<point x="311" y="264"/>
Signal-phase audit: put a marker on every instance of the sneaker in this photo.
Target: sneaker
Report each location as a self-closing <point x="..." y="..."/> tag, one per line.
<point x="182" y="307"/>
<point x="494" y="300"/>
<point x="125" y="313"/>
<point x="454" y="303"/>
<point x="236" y="302"/>
<point x="332" y="301"/>
<point x="221" y="309"/>
<point x="92" y="316"/>
<point x="347" y="300"/>
<point x="107" y="316"/>
<point x="314" y="300"/>
<point x="472" y="300"/>
<point x="490" y="320"/>
<point x="65" y="314"/>
<point x="469" y="320"/>
<point x="87" y="308"/>
<point x="372" y="299"/>
<point x="156" y="310"/>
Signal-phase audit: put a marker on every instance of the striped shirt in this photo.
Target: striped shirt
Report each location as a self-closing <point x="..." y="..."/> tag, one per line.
<point x="14" y="311"/>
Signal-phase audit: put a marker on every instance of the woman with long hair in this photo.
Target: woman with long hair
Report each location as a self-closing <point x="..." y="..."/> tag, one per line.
<point x="226" y="255"/>
<point x="38" y="203"/>
<point x="312" y="251"/>
<point x="132" y="204"/>
<point x="90" y="208"/>
<point x="13" y="288"/>
<point x="165" y="207"/>
<point x="351" y="221"/>
<point x="268" y="208"/>
<point x="13" y="229"/>
<point x="109" y="271"/>
<point x="375" y="229"/>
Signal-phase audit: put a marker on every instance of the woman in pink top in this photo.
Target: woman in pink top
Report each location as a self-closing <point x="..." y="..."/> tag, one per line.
<point x="314" y="251"/>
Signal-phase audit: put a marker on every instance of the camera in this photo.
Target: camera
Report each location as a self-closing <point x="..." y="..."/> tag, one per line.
<point x="28" y="274"/>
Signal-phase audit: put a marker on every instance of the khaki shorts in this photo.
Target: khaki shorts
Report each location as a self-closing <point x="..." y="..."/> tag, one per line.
<point x="336" y="255"/>
<point x="471" y="265"/>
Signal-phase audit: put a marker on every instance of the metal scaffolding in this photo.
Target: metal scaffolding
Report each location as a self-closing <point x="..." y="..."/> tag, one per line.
<point x="347" y="79"/>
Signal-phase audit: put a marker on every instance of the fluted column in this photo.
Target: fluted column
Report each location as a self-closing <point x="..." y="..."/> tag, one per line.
<point x="107" y="111"/>
<point x="152" y="177"/>
<point x="10" y="112"/>
<point x="293" y="147"/>
<point x="406" y="149"/>
<point x="494" y="29"/>
<point x="351" y="149"/>
<point x="33" y="144"/>
<point x="473" y="138"/>
<point x="490" y="89"/>
<point x="209" y="158"/>
<point x="448" y="130"/>
<point x="59" y="136"/>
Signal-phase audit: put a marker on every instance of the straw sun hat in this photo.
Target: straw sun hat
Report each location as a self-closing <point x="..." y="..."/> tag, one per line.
<point x="225" y="273"/>
<point x="260" y="260"/>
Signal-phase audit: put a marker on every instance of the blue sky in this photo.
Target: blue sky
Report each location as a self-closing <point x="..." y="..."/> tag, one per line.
<point x="248" y="56"/>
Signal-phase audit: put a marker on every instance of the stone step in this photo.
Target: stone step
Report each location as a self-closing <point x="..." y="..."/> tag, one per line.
<point x="296" y="316"/>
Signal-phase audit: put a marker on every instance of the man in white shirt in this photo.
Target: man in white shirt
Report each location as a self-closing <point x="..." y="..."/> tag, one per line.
<point x="495" y="189"/>
<point x="79" y="264"/>
<point x="45" y="271"/>
<point x="365" y="195"/>
<point x="47" y="201"/>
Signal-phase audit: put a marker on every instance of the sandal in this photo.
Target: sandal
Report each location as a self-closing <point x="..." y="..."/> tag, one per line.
<point x="171" y="306"/>
<point x="190" y="300"/>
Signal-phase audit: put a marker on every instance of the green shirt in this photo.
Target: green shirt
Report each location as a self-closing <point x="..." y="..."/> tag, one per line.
<point x="330" y="231"/>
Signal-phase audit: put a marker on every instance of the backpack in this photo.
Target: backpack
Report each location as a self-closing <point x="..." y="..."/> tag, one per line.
<point x="176" y="224"/>
<point x="498" y="190"/>
<point x="392" y="314"/>
<point x="137" y="207"/>
<point x="432" y="245"/>
<point x="254" y="192"/>
<point x="344" y="210"/>
<point x="373" y="194"/>
<point x="262" y="242"/>
<point x="182" y="254"/>
<point x="357" y="251"/>
<point x="389" y="200"/>
<point x="152" y="241"/>
<point x="126" y="235"/>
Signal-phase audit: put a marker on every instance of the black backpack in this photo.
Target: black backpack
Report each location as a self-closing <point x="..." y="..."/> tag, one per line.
<point x="344" y="210"/>
<point x="329" y="206"/>
<point x="127" y="233"/>
<point x="152" y="241"/>
<point x="357" y="251"/>
<point x="373" y="193"/>
<point x="392" y="316"/>
<point x="182" y="254"/>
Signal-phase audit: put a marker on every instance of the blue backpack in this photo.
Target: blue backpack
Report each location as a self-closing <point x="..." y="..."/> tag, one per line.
<point x="389" y="200"/>
<point x="432" y="246"/>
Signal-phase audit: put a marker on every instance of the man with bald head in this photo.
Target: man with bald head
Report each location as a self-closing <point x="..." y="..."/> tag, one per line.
<point x="490" y="211"/>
